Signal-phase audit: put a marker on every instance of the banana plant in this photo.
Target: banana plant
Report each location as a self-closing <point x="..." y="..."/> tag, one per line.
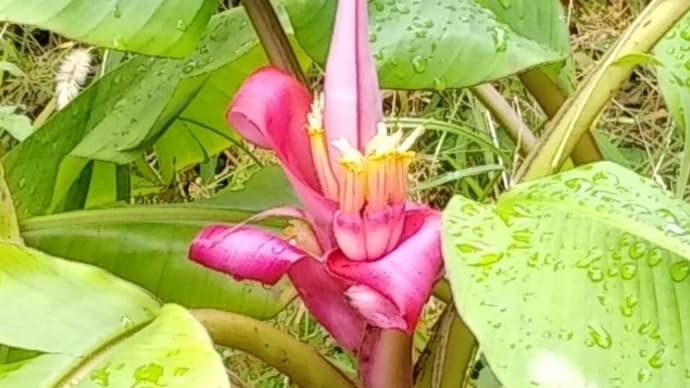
<point x="572" y="278"/>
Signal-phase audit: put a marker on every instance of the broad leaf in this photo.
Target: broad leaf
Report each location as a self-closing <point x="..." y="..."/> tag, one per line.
<point x="425" y="44"/>
<point x="148" y="245"/>
<point x="17" y="125"/>
<point x="130" y="107"/>
<point x="88" y="328"/>
<point x="674" y="82"/>
<point x="9" y="230"/>
<point x="154" y="27"/>
<point x="673" y="55"/>
<point x="579" y="279"/>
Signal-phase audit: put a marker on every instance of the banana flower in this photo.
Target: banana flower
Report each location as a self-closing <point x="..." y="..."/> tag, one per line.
<point x="363" y="257"/>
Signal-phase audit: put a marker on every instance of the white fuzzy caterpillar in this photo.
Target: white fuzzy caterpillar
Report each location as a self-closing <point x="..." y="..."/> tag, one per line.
<point x="71" y="76"/>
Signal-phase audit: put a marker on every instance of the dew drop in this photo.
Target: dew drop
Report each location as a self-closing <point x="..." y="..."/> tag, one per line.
<point x="181" y="25"/>
<point x="600" y="336"/>
<point x="680" y="270"/>
<point x="118" y="42"/>
<point x="628" y="271"/>
<point x="401" y="8"/>
<point x="644" y="375"/>
<point x="440" y="83"/>
<point x="419" y="64"/>
<point x="654" y="257"/>
<point x="645" y="327"/>
<point x="101" y="376"/>
<point x="594" y="274"/>
<point x="685" y="34"/>
<point x="637" y="250"/>
<point x="126" y="322"/>
<point x="499" y="38"/>
<point x="189" y="66"/>
<point x="657" y="359"/>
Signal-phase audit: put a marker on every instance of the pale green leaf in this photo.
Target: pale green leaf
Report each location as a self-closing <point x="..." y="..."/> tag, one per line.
<point x="17" y="125"/>
<point x="92" y="329"/>
<point x="578" y="279"/>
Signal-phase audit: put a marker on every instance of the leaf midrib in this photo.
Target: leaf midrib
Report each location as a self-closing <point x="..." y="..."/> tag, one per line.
<point x="89" y="361"/>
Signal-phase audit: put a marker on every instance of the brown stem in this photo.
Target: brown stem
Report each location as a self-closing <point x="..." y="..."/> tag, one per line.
<point x="273" y="37"/>
<point x="301" y="363"/>
<point x="504" y="114"/>
<point x="385" y="360"/>
<point x="442" y="291"/>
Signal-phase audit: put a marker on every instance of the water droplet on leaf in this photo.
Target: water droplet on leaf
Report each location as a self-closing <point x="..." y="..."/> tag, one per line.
<point x="680" y="270"/>
<point x="600" y="336"/>
<point x="419" y="64"/>
<point x="181" y="25"/>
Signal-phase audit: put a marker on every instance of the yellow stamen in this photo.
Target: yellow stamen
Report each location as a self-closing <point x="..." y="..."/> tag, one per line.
<point x="377" y="188"/>
<point x="353" y="188"/>
<point x="329" y="184"/>
<point x="317" y="141"/>
<point x="379" y="177"/>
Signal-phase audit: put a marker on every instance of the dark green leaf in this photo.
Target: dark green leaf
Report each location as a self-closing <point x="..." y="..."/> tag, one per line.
<point x="130" y="107"/>
<point x="449" y="43"/>
<point x="148" y="245"/>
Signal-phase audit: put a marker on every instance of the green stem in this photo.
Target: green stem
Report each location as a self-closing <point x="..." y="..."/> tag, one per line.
<point x="301" y="363"/>
<point x="447" y="358"/>
<point x="551" y="98"/>
<point x="123" y="182"/>
<point x="580" y="112"/>
<point x="272" y="37"/>
<point x="442" y="291"/>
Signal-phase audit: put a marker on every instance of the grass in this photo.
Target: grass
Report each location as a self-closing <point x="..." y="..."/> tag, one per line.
<point x="636" y="124"/>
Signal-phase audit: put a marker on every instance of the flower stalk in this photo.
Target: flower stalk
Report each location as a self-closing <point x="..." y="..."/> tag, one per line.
<point x="362" y="258"/>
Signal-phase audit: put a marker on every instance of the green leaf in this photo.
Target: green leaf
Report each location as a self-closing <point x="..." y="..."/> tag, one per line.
<point x="9" y="229"/>
<point x="148" y="245"/>
<point x="91" y="329"/>
<point x="674" y="82"/>
<point x="630" y="157"/>
<point x="153" y="27"/>
<point x="544" y="22"/>
<point x="17" y="125"/>
<point x="432" y="44"/>
<point x="11" y="68"/>
<point x="579" y="279"/>
<point x="38" y="288"/>
<point x="674" y="75"/>
<point x="130" y="108"/>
